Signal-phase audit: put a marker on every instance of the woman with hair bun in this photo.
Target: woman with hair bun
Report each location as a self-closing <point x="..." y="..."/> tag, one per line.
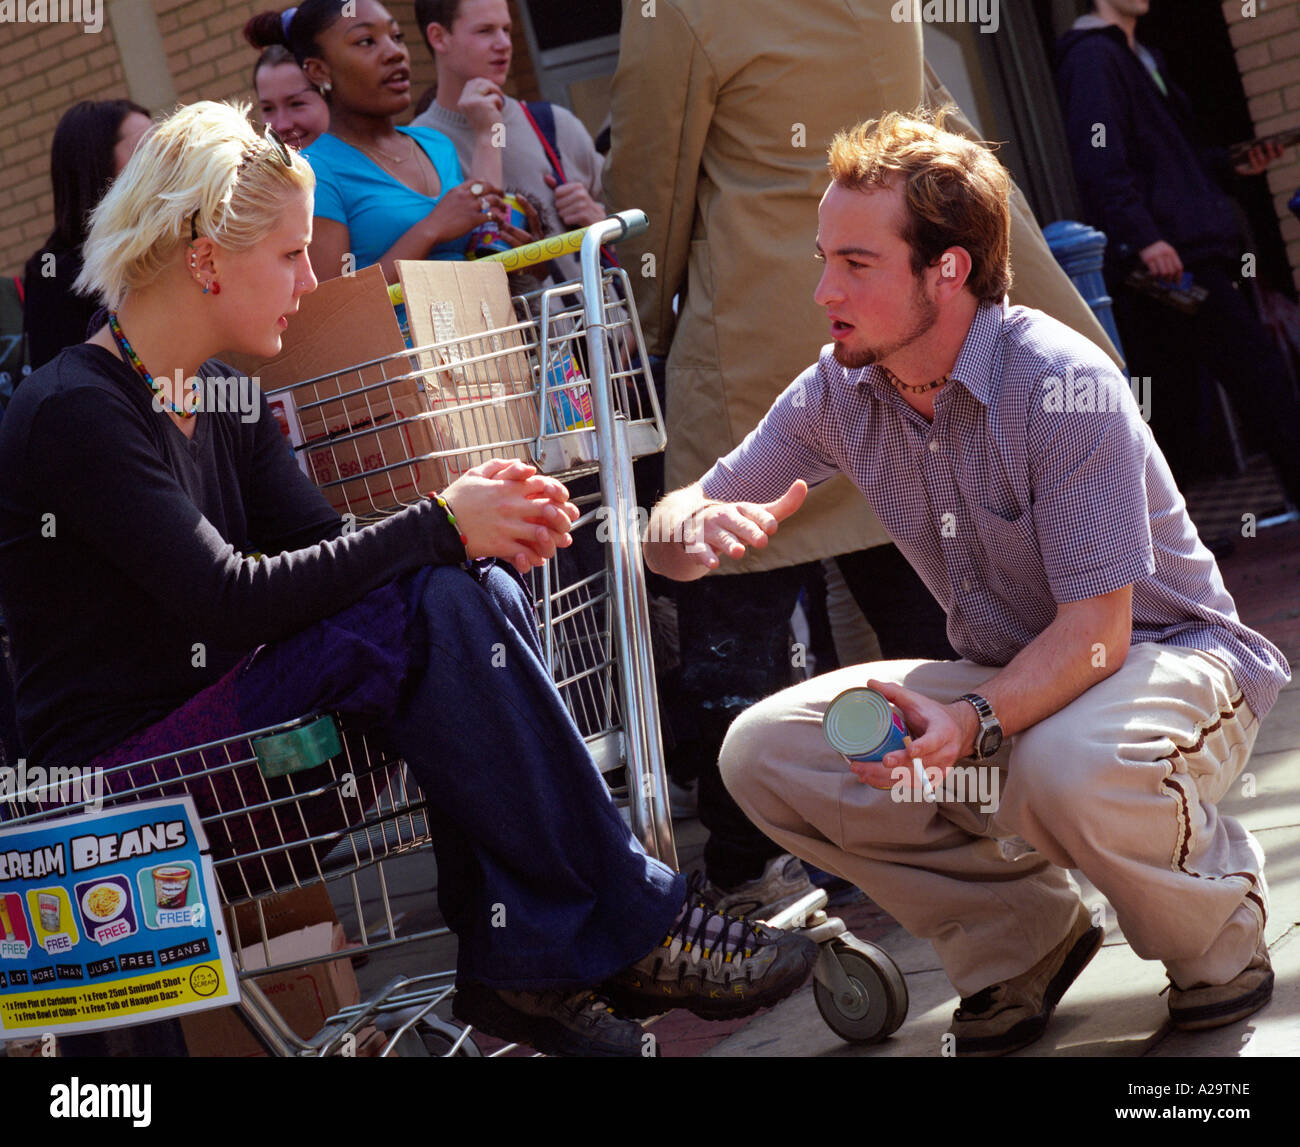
<point x="287" y="99"/>
<point x="142" y="522"/>
<point x="383" y="192"/>
<point x="91" y="146"/>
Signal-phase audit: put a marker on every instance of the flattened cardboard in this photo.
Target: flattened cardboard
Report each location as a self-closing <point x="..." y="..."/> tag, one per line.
<point x="343" y="323"/>
<point x="492" y="404"/>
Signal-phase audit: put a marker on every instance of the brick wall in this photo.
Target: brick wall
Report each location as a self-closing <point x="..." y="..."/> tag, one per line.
<point x="45" y="69"/>
<point x="1268" y="54"/>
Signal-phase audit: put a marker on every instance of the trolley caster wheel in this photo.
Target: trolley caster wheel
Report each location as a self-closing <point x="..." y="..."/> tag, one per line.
<point x="873" y="1004"/>
<point x="434" y="1037"/>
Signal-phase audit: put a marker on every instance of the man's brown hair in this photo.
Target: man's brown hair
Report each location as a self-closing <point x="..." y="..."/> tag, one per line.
<point x="956" y="192"/>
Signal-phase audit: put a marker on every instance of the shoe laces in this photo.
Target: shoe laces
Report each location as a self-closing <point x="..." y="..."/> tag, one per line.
<point x="588" y="1003"/>
<point x="703" y="933"/>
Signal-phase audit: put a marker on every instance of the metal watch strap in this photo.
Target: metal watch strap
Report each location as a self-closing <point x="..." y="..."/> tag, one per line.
<point x="987" y="720"/>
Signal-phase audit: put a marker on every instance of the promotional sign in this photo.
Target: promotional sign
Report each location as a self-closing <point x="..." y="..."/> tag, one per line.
<point x="108" y="919"/>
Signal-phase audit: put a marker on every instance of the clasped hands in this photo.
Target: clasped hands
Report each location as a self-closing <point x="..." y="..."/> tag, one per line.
<point x="507" y="510"/>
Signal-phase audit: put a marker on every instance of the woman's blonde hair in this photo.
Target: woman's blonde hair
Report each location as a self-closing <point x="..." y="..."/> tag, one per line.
<point x="956" y="192"/>
<point x="204" y="170"/>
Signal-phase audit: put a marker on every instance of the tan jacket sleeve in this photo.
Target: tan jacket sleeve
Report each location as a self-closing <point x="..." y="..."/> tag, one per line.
<point x="664" y="93"/>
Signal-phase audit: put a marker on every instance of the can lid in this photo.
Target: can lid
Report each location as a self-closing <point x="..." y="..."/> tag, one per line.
<point x="857" y="721"/>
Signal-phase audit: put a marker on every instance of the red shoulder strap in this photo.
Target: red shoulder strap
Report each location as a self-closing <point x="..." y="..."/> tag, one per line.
<point x="546" y="144"/>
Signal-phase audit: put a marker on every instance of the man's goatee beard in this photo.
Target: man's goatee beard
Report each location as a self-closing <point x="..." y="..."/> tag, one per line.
<point x="854" y="360"/>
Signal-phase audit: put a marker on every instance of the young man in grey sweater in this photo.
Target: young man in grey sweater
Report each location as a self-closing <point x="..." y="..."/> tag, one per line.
<point x="470" y="41"/>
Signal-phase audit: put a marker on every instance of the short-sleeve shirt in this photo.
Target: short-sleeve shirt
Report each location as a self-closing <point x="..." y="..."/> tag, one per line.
<point x="376" y="209"/>
<point x="1037" y="484"/>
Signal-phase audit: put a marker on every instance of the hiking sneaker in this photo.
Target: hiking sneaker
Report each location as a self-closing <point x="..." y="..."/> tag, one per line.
<point x="719" y="967"/>
<point x="784" y="881"/>
<point x="1013" y="1014"/>
<point x="555" y="1022"/>
<point x="1205" y="1006"/>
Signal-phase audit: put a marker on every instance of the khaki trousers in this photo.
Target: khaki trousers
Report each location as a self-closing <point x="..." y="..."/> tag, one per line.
<point x="1122" y="784"/>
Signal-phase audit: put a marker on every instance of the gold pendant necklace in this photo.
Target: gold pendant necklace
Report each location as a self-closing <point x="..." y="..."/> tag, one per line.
<point x="385" y="155"/>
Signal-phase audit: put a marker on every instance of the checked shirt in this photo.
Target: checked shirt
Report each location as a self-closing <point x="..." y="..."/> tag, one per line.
<point x="1038" y="483"/>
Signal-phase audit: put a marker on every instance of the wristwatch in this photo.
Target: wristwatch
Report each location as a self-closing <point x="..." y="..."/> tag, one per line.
<point x="989" y="738"/>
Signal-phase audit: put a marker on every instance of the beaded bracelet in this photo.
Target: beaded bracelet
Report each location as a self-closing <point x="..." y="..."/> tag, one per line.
<point x="455" y="525"/>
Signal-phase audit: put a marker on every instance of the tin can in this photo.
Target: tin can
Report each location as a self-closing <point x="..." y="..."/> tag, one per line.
<point x="486" y="238"/>
<point x="862" y="725"/>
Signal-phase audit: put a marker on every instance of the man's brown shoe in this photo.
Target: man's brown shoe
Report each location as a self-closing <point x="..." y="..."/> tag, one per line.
<point x="1005" y="1017"/>
<point x="1205" y="1006"/>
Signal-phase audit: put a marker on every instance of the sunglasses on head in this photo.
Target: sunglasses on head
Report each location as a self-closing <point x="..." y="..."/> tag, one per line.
<point x="278" y="148"/>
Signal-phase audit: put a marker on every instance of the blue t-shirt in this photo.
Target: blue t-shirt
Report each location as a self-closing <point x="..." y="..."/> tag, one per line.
<point x="377" y="210"/>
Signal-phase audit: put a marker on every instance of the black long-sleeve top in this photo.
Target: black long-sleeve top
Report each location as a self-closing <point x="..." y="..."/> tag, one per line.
<point x="123" y="574"/>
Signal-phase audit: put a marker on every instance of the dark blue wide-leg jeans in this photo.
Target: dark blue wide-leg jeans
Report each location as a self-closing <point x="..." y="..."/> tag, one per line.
<point x="538" y="875"/>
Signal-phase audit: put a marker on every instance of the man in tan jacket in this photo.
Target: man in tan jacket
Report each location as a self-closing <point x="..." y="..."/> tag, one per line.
<point x="722" y="113"/>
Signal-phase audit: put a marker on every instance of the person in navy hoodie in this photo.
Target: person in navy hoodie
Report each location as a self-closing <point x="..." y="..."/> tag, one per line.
<point x="1163" y="203"/>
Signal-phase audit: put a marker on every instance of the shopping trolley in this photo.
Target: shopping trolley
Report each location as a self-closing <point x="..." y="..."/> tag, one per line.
<point x="321" y="800"/>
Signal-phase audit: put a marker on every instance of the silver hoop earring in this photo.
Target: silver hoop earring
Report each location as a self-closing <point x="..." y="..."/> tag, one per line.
<point x="327" y="87"/>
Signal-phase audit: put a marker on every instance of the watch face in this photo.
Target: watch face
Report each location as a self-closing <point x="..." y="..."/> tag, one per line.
<point x="990" y="742"/>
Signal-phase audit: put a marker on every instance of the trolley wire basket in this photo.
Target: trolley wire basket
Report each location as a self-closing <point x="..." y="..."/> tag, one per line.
<point x="381" y="434"/>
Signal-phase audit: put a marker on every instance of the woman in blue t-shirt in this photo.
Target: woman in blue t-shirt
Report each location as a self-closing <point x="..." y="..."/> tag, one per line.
<point x="382" y="192"/>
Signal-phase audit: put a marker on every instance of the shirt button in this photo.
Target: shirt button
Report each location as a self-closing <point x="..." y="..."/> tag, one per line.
<point x="965" y="585"/>
<point x="934" y="446"/>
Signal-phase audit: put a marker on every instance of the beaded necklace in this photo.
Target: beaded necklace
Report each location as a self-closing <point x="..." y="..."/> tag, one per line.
<point x="901" y="385"/>
<point x="134" y="359"/>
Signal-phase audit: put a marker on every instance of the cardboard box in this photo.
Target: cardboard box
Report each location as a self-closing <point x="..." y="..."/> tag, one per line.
<point x="299" y="925"/>
<point x="343" y="323"/>
<point x="282" y="914"/>
<point x="489" y="407"/>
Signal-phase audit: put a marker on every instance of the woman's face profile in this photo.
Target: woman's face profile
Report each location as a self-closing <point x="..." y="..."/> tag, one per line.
<point x="129" y="134"/>
<point x="260" y="287"/>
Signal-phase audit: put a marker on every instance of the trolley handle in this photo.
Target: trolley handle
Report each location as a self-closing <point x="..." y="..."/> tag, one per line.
<point x="630" y="224"/>
<point x="635" y="222"/>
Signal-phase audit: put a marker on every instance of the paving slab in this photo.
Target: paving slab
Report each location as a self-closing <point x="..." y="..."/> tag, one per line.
<point x="1114" y="1009"/>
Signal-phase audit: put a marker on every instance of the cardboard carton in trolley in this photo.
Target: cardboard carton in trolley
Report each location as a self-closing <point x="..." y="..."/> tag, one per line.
<point x="478" y="379"/>
<point x="365" y="435"/>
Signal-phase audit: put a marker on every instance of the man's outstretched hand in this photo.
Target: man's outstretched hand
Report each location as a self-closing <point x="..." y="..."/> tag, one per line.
<point x="727" y="528"/>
